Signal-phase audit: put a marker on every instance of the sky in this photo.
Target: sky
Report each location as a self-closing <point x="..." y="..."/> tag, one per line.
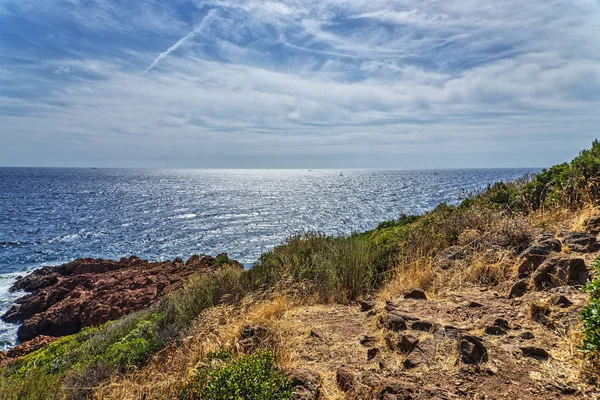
<point x="298" y="83"/>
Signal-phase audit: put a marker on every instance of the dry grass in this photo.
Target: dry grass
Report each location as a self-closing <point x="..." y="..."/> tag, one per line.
<point x="216" y="328"/>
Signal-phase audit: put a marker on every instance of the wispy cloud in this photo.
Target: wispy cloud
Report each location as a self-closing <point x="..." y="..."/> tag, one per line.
<point x="379" y="81"/>
<point x="205" y="21"/>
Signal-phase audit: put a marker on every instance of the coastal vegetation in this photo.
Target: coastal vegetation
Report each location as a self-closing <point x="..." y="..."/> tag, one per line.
<point x="451" y="248"/>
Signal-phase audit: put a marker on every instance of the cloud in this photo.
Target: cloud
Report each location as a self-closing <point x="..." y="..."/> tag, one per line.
<point x="294" y="80"/>
<point x="205" y="21"/>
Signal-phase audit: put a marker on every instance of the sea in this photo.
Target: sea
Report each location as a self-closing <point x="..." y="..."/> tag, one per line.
<point x="49" y="216"/>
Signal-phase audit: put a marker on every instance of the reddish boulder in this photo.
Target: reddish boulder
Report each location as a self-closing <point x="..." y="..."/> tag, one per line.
<point x="89" y="292"/>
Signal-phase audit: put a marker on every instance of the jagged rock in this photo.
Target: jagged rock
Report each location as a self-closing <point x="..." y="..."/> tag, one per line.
<point x="471" y="349"/>
<point x="592" y="224"/>
<point x="25" y="348"/>
<point x="89" y="292"/>
<point x="345" y="379"/>
<point x="367" y="305"/>
<point x="536" y="254"/>
<point x="372" y="353"/>
<point x="526" y="335"/>
<point x="395" y="323"/>
<point x="450" y="331"/>
<point x="406" y="343"/>
<point x="561" y="300"/>
<point x="474" y="304"/>
<point x="535" y="352"/>
<point x="307" y="384"/>
<point x="368" y="340"/>
<point x="518" y="289"/>
<point x="416" y="294"/>
<point x="495" y="330"/>
<point x="560" y="271"/>
<point x="421" y="326"/>
<point x="501" y="323"/>
<point x="581" y="242"/>
<point x="414" y="359"/>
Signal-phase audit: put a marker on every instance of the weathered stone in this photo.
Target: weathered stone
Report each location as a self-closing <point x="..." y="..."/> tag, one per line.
<point x="89" y="292"/>
<point x="395" y="323"/>
<point x="536" y="254"/>
<point x="560" y="271"/>
<point x="25" y="348"/>
<point x="367" y="305"/>
<point x="535" y="352"/>
<point x="494" y="330"/>
<point x="407" y="343"/>
<point x="474" y="304"/>
<point x="526" y="335"/>
<point x="372" y="353"/>
<point x="421" y="326"/>
<point x="345" y="379"/>
<point x="307" y="384"/>
<point x="368" y="340"/>
<point x="471" y="349"/>
<point x="394" y="389"/>
<point x="414" y="359"/>
<point x="561" y="300"/>
<point x="416" y="294"/>
<point x="592" y="224"/>
<point x="518" y="289"/>
<point x="501" y="323"/>
<point x="581" y="242"/>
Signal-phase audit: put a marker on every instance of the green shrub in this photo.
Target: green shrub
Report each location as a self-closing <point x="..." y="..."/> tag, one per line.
<point x="252" y="377"/>
<point x="40" y="386"/>
<point x="95" y="354"/>
<point x="568" y="184"/>
<point x="591" y="316"/>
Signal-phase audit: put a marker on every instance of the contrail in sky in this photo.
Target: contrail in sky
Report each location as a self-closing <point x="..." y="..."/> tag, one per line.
<point x="184" y="39"/>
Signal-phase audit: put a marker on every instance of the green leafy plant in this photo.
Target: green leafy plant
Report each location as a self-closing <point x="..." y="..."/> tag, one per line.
<point x="251" y="377"/>
<point x="591" y="316"/>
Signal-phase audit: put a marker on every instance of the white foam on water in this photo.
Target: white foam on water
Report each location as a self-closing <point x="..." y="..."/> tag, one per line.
<point x="8" y="332"/>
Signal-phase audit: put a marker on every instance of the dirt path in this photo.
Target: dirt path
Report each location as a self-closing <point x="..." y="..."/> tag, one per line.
<point x="529" y="355"/>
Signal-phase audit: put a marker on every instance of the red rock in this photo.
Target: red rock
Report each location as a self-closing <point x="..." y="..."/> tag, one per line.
<point x="90" y="292"/>
<point x="23" y="349"/>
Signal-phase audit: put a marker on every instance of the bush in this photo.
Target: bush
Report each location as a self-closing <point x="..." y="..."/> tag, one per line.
<point x="95" y="354"/>
<point x="569" y="184"/>
<point x="335" y="268"/>
<point x="252" y="377"/>
<point x="591" y="316"/>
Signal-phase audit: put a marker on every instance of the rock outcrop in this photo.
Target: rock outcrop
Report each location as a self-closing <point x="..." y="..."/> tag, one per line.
<point x="23" y="349"/>
<point x="88" y="292"/>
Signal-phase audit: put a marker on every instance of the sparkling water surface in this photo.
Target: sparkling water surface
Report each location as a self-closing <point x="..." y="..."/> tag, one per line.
<point x="50" y="216"/>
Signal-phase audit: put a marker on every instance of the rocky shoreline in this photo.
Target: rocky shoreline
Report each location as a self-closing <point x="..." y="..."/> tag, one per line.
<point x="64" y="299"/>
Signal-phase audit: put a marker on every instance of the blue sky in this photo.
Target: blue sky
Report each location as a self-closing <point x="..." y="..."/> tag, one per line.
<point x="298" y="83"/>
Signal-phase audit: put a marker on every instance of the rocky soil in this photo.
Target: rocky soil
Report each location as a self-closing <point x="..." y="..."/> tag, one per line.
<point x="64" y="299"/>
<point x="516" y="341"/>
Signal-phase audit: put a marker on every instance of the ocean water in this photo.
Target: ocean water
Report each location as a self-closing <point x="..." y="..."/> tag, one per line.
<point x="50" y="216"/>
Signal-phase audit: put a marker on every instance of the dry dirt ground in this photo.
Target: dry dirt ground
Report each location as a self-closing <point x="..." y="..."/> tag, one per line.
<point x="328" y="337"/>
